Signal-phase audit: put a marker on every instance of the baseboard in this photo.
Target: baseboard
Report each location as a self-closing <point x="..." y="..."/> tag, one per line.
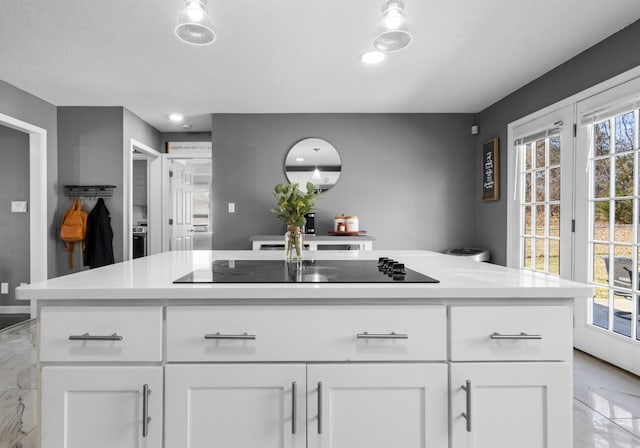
<point x="15" y="309"/>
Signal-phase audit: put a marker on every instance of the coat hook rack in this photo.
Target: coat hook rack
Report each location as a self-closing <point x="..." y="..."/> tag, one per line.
<point x="88" y="191"/>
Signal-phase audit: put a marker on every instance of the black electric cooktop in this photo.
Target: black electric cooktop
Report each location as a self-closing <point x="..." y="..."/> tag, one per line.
<point x="311" y="271"/>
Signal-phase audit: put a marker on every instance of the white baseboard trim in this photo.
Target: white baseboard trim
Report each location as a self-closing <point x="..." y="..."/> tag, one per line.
<point x="15" y="309"/>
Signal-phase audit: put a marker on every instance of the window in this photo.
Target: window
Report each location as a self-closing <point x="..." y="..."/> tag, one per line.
<point x="613" y="220"/>
<point x="540" y="202"/>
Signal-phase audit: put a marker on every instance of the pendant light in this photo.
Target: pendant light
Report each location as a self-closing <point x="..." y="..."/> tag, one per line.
<point x="316" y="173"/>
<point x="194" y="24"/>
<point x="392" y="32"/>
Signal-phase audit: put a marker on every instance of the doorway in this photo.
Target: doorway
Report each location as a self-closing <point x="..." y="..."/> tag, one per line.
<point x="187" y="205"/>
<point x="37" y="205"/>
<point x="143" y="208"/>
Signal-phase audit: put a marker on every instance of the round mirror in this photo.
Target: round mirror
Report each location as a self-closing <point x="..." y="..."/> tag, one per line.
<point x="313" y="160"/>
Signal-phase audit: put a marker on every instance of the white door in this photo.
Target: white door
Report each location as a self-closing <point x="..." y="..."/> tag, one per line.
<point x="608" y="209"/>
<point x="101" y="407"/>
<point x="236" y="406"/>
<point x="377" y="405"/>
<point x="540" y="202"/>
<point x="181" y="186"/>
<point x="507" y="405"/>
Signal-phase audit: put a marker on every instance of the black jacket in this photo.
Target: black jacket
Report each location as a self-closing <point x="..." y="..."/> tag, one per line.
<point x="99" y="241"/>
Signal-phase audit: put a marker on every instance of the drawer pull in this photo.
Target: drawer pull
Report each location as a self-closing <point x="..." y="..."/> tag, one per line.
<point x="145" y="410"/>
<point x="243" y="336"/>
<point x="294" y="406"/>
<point x="522" y="335"/>
<point x="88" y="337"/>
<point x="392" y="335"/>
<point x="467" y="415"/>
<point x="319" y="407"/>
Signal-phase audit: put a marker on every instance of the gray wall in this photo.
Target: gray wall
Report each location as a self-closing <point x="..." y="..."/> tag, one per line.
<point x="90" y="141"/>
<point x="407" y="176"/>
<point x="614" y="55"/>
<point x="26" y="107"/>
<point x="93" y="141"/>
<point x="14" y="186"/>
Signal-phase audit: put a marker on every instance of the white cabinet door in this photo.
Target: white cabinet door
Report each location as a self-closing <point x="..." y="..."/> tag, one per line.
<point x="524" y="405"/>
<point x="101" y="407"/>
<point x="377" y="405"/>
<point x="235" y="406"/>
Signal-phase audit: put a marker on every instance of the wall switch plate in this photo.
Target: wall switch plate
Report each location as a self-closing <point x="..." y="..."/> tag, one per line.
<point x="18" y="206"/>
<point x="4" y="288"/>
<point x="231" y="207"/>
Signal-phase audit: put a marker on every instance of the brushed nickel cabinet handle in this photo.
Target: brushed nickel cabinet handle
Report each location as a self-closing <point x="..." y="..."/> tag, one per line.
<point x="522" y="335"/>
<point x="88" y="337"/>
<point x="294" y="406"/>
<point x="319" y="407"/>
<point x="145" y="410"/>
<point x="243" y="336"/>
<point x="392" y="335"/>
<point x="467" y="415"/>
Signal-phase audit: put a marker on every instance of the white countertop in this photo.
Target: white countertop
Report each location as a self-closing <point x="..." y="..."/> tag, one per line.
<point x="152" y="278"/>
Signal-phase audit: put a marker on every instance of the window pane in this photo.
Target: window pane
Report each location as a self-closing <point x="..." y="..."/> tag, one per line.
<point x="554" y="220"/>
<point x="540" y="252"/>
<point x="527" y="220"/>
<point x="625" y="132"/>
<point x="527" y="253"/>
<point x="601" y="221"/>
<point x="554" y="257"/>
<point x="554" y="184"/>
<point x="527" y="156"/>
<point x="540" y="160"/>
<point x="554" y="151"/>
<point x="621" y="283"/>
<point x="623" y="227"/>
<point x="601" y="175"/>
<point x="540" y="186"/>
<point x="540" y="220"/>
<point x="602" y="138"/>
<point x="527" y="187"/>
<point x="600" y="262"/>
<point x="624" y="175"/>
<point x="601" y="308"/>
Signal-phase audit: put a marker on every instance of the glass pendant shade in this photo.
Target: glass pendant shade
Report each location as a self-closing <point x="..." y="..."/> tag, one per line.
<point x="194" y="24"/>
<point x="392" y="32"/>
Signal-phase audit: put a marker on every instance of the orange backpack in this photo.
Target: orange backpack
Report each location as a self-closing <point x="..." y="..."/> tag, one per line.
<point x="74" y="228"/>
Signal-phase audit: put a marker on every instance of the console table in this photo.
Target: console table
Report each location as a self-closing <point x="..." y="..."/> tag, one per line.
<point x="363" y="242"/>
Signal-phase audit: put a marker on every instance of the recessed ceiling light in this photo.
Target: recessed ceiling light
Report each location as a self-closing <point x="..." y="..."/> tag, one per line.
<point x="186" y="126"/>
<point x="372" y="57"/>
<point x="176" y="117"/>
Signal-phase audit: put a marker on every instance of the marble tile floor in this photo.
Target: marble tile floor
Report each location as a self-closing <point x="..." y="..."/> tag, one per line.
<point x="606" y="401"/>
<point x="18" y="386"/>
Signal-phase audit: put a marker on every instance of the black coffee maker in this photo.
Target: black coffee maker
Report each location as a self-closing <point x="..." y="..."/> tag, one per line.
<point x="310" y="227"/>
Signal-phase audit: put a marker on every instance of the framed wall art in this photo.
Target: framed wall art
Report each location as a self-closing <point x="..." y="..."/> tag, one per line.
<point x="490" y="171"/>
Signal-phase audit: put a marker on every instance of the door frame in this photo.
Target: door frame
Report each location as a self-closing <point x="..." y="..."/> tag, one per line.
<point x="585" y="334"/>
<point x="154" y="199"/>
<point x="38" y="254"/>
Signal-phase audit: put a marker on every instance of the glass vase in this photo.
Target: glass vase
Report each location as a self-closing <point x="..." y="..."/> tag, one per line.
<point x="293" y="245"/>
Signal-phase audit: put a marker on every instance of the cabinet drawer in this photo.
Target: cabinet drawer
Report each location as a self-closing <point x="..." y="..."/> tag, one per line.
<point x="511" y="333"/>
<point x="310" y="333"/>
<point x="86" y="334"/>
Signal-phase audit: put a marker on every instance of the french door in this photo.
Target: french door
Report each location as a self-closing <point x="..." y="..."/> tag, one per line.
<point x="607" y="199"/>
<point x="540" y="207"/>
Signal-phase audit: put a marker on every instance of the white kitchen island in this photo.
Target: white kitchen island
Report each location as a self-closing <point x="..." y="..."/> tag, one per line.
<point x="130" y="359"/>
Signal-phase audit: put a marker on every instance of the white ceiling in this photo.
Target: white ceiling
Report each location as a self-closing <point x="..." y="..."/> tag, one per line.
<point x="291" y="56"/>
